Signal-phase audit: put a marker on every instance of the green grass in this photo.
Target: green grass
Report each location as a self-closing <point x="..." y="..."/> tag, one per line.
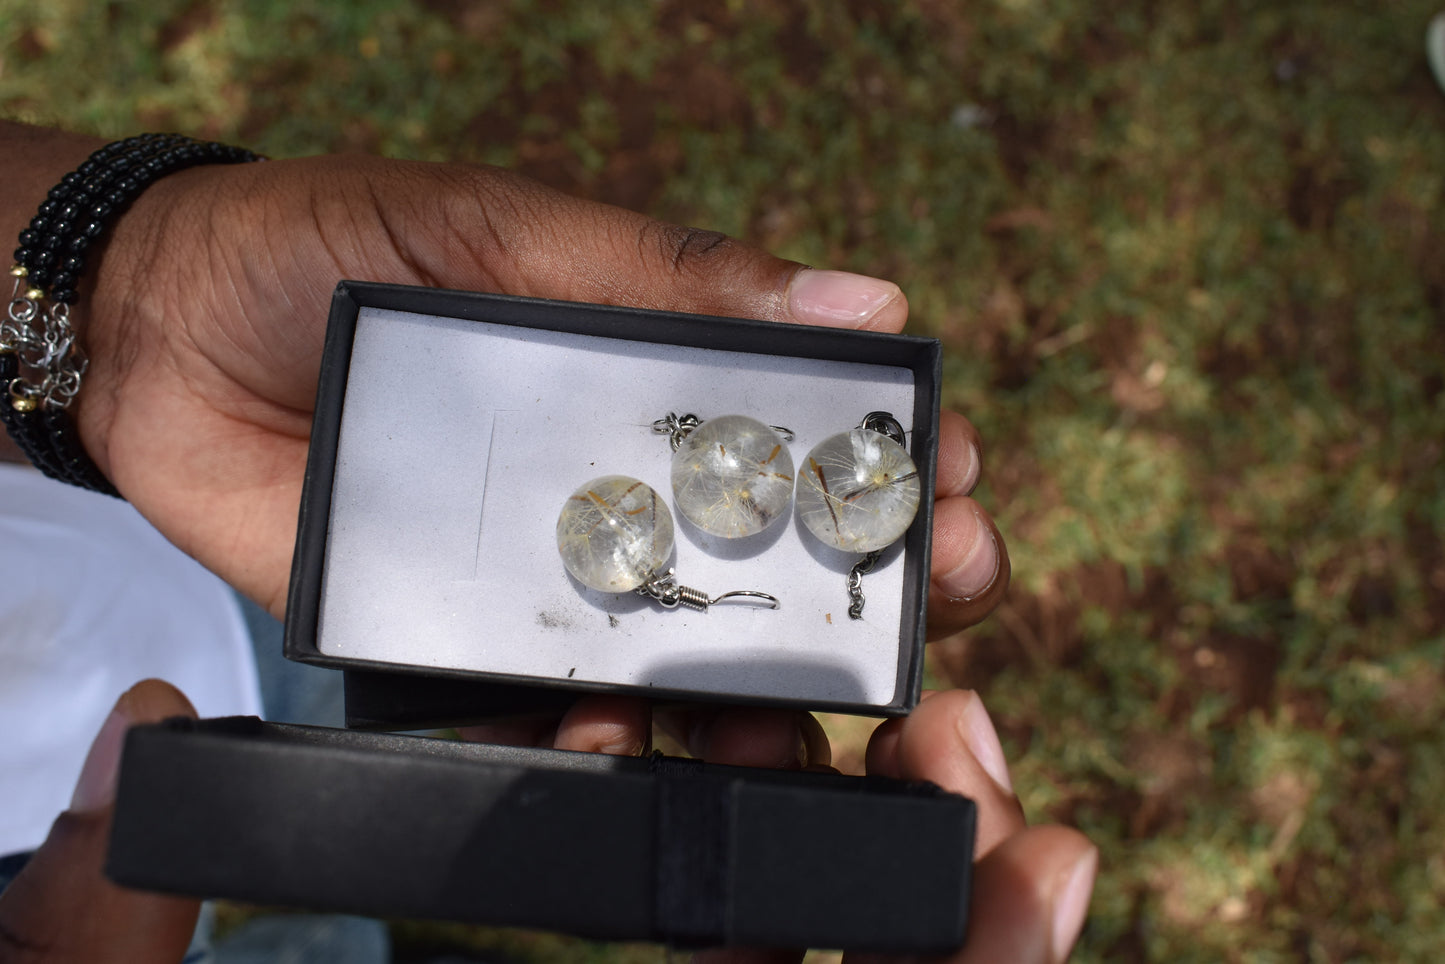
<point x="1186" y="261"/>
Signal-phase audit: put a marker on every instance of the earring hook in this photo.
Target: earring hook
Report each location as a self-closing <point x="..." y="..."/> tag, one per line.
<point x="666" y="591"/>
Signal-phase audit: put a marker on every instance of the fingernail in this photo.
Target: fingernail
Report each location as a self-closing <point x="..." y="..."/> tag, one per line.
<point x="1071" y="905"/>
<point x="978" y="569"/>
<point x="623" y="744"/>
<point x="96" y="787"/>
<point x="972" y="470"/>
<point x="800" y="751"/>
<point x="699" y="738"/>
<point x="982" y="740"/>
<point x="838" y="299"/>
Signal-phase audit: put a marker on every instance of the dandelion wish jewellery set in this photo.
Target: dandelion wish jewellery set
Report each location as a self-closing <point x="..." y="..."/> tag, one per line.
<point x="733" y="477"/>
<point x="536" y="495"/>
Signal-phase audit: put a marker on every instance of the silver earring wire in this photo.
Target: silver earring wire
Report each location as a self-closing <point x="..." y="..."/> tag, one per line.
<point x="884" y="424"/>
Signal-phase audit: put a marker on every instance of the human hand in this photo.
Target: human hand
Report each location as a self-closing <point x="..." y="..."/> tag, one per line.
<point x="61" y="908"/>
<point x="206" y="321"/>
<point x="1031" y="885"/>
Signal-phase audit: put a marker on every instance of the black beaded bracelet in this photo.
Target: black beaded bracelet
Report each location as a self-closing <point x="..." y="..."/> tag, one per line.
<point x="40" y="363"/>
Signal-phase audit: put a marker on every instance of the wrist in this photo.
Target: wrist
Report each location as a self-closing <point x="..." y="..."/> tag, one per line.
<point x="42" y="361"/>
<point x="35" y="160"/>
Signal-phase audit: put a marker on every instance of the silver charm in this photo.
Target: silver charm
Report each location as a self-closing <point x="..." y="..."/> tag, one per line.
<point x="732" y="476"/>
<point x="615" y="535"/>
<point x="858" y="491"/>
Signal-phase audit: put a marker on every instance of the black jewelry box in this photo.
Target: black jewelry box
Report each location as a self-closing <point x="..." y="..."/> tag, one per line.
<point x="449" y="428"/>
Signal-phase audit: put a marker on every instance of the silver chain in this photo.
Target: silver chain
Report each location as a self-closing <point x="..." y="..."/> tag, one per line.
<point x="43" y="339"/>
<point x="884" y="424"/>
<point x="855" y="582"/>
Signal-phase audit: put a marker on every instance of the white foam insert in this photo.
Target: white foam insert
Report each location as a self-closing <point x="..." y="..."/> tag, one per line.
<point x="461" y="440"/>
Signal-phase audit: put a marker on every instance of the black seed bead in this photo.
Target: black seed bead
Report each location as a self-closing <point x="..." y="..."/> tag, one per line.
<point x="53" y="248"/>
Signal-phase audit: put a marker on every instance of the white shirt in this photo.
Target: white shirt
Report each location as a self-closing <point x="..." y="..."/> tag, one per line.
<point x="92" y="600"/>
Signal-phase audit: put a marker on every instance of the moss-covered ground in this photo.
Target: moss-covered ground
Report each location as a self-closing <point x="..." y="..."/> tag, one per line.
<point x="1188" y="260"/>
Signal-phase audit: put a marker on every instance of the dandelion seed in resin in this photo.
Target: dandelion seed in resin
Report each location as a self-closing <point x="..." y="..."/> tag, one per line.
<point x="858" y="491"/>
<point x="732" y="476"/>
<point x="614" y="534"/>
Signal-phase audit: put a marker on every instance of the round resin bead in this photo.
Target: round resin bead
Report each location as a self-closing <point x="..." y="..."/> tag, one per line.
<point x="614" y="534"/>
<point x="858" y="491"/>
<point x="732" y="476"/>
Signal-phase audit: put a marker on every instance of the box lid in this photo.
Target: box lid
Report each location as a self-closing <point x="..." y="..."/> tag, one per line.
<point x="603" y="847"/>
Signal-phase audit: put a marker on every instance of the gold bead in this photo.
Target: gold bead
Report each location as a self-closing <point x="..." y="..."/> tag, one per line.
<point x="21" y="403"/>
<point x="18" y="271"/>
<point x="34" y="294"/>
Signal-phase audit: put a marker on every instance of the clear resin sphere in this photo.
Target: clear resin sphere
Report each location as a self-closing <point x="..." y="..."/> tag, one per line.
<point x="614" y="534"/>
<point x="732" y="476"/>
<point x="858" y="491"/>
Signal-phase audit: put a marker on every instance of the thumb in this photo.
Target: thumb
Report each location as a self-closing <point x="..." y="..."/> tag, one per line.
<point x="61" y="908"/>
<point x="1031" y="896"/>
<point x="529" y="239"/>
<point x="489" y="229"/>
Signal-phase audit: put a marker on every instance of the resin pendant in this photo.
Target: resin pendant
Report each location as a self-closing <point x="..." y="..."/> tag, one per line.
<point x="614" y="534"/>
<point x="859" y="490"/>
<point x="732" y="476"/>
